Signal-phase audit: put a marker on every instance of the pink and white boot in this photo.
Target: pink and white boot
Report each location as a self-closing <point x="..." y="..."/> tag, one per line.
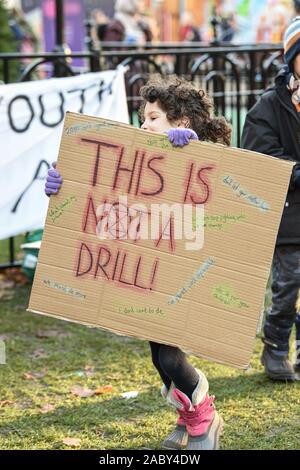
<point x="178" y="438"/>
<point x="202" y="421"/>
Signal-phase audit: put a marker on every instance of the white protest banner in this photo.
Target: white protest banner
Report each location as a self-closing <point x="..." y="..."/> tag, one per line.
<point x="31" y="120"/>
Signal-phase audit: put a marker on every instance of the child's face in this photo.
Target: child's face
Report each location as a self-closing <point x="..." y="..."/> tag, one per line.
<point x="156" y="119"/>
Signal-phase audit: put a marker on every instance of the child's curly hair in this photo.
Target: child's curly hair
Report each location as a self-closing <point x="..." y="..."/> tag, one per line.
<point x="181" y="99"/>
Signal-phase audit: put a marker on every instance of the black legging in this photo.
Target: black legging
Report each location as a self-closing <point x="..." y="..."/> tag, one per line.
<point x="172" y="365"/>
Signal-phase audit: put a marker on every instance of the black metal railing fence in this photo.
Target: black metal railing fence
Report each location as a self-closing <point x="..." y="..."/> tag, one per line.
<point x="234" y="76"/>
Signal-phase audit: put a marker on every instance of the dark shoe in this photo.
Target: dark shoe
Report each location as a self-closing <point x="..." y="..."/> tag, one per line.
<point x="277" y="367"/>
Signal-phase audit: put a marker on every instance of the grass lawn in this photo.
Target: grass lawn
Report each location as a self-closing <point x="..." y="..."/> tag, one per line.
<point x="47" y="358"/>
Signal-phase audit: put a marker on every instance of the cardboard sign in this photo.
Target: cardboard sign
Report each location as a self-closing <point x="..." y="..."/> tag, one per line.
<point x="206" y="301"/>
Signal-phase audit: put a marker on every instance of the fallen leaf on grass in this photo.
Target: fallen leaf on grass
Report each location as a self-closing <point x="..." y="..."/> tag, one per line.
<point x="47" y="408"/>
<point x="82" y="392"/>
<point x="72" y="441"/>
<point x="104" y="389"/>
<point x="51" y="334"/>
<point x="33" y="375"/>
<point x="87" y="392"/>
<point x="39" y="354"/>
<point x="16" y="276"/>
<point x="28" y="376"/>
<point x="21" y="279"/>
<point x="5" y="403"/>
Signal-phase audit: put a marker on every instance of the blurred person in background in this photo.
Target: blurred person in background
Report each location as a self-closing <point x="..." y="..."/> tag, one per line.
<point x="24" y="36"/>
<point x="227" y="28"/>
<point x="296" y="7"/>
<point x="100" y="21"/>
<point x="263" y="31"/>
<point x="272" y="21"/>
<point x="129" y="24"/>
<point x="188" y="31"/>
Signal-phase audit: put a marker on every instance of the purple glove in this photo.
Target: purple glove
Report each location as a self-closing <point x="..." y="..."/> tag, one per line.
<point x="53" y="181"/>
<point x="180" y="136"/>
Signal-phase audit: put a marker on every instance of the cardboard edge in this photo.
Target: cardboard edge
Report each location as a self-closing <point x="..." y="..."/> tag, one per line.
<point x="116" y="332"/>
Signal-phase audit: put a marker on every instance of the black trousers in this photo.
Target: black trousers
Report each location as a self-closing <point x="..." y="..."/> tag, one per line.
<point x="172" y="366"/>
<point x="285" y="287"/>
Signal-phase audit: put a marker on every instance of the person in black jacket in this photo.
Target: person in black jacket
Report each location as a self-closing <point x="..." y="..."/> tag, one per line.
<point x="272" y="127"/>
<point x="297" y="7"/>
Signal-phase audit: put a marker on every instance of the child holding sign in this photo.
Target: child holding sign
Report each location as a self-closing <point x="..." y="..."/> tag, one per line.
<point x="176" y="107"/>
